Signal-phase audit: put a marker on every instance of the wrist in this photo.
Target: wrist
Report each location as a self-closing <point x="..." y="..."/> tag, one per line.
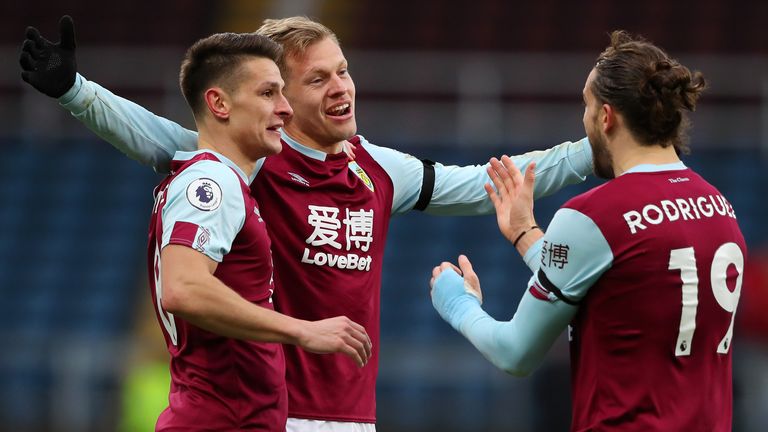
<point x="459" y="308"/>
<point x="295" y="331"/>
<point x="528" y="238"/>
<point x="450" y="298"/>
<point x="523" y="231"/>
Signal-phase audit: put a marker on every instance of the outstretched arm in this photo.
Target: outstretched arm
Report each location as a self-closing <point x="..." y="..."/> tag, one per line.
<point x="458" y="190"/>
<point x="51" y="68"/>
<point x="129" y="127"/>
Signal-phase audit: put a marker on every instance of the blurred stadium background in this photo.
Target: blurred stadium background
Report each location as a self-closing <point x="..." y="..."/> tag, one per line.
<point x="453" y="81"/>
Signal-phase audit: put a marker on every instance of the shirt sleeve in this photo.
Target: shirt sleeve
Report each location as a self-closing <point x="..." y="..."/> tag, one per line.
<point x="204" y="209"/>
<point x="573" y="255"/>
<point x="459" y="190"/>
<point x="135" y="131"/>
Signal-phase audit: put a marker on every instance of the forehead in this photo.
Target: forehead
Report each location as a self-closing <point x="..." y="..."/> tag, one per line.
<point x="588" y="84"/>
<point x="320" y="56"/>
<point x="259" y="70"/>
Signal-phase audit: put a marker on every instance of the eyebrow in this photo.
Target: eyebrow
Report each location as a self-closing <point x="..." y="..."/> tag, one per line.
<point x="270" y="84"/>
<point x="319" y="70"/>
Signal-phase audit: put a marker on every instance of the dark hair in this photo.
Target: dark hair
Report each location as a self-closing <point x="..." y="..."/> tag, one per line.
<point x="217" y="59"/>
<point x="651" y="90"/>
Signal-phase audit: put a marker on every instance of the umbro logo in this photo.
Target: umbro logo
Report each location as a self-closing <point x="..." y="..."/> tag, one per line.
<point x="299" y="179"/>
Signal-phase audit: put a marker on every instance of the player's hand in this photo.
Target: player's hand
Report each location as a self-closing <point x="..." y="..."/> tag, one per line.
<point x="349" y="149"/>
<point x="337" y="335"/>
<point x="513" y="197"/>
<point x="451" y="287"/>
<point x="50" y="67"/>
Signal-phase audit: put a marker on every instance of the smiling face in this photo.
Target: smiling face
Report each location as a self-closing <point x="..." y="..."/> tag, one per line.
<point x="258" y="108"/>
<point x="322" y="95"/>
<point x="602" y="160"/>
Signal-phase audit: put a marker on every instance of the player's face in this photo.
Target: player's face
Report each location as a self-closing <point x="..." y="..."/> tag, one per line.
<point x="602" y="160"/>
<point x="259" y="108"/>
<point x="322" y="94"/>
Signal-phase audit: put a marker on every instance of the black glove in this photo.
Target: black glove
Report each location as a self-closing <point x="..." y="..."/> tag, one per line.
<point x="50" y="67"/>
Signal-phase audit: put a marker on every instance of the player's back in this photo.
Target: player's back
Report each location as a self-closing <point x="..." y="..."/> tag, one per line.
<point x="650" y="346"/>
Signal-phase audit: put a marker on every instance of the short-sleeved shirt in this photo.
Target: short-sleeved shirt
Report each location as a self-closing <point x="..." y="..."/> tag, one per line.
<point x="217" y="383"/>
<point x="654" y="259"/>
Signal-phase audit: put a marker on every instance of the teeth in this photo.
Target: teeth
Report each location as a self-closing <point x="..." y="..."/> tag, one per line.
<point x="339" y="109"/>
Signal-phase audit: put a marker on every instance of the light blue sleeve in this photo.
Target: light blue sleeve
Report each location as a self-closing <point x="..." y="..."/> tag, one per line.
<point x="573" y="255"/>
<point x="135" y="131"/>
<point x="219" y="215"/>
<point x="459" y="189"/>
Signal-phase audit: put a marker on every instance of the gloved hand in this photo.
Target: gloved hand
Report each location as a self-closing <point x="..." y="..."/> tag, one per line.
<point x="50" y="67"/>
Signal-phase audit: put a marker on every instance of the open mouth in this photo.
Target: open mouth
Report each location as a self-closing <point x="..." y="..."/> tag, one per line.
<point x="339" y="110"/>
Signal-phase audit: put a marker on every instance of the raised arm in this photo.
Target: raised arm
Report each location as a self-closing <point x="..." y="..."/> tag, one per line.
<point x="51" y="68"/>
<point x="458" y="190"/>
<point x="575" y="256"/>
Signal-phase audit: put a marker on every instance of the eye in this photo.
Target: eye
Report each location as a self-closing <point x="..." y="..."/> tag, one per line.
<point x="316" y="80"/>
<point x="344" y="72"/>
<point x="268" y="93"/>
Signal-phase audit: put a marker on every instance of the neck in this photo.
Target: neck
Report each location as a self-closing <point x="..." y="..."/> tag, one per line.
<point x="305" y="140"/>
<point x="627" y="153"/>
<point x="223" y="144"/>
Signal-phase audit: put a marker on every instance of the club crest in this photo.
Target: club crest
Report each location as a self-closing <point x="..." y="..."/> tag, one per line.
<point x="361" y="174"/>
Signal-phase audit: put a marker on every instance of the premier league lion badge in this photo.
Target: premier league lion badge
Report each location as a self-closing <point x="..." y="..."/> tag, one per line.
<point x="204" y="194"/>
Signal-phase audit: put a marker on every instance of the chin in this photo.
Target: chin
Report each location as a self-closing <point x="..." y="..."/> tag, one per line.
<point x="347" y="131"/>
<point x="276" y="149"/>
<point x="273" y="146"/>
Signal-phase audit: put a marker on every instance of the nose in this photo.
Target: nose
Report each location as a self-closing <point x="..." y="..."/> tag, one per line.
<point x="283" y="108"/>
<point x="338" y="85"/>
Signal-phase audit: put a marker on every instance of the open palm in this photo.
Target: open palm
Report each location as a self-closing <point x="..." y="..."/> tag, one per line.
<point x="512" y="197"/>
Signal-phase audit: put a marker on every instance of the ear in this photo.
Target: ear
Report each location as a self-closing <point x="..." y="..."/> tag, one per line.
<point x="218" y="103"/>
<point x="607" y="118"/>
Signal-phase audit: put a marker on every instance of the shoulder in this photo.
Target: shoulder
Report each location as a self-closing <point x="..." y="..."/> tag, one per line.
<point x="361" y="141"/>
<point x="210" y="169"/>
<point x="600" y="197"/>
<point x="383" y="154"/>
<point x="579" y="201"/>
<point x="571" y="222"/>
<point x="206" y="183"/>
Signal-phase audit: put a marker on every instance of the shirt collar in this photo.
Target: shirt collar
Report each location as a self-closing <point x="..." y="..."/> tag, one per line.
<point x="187" y="155"/>
<point x="648" y="168"/>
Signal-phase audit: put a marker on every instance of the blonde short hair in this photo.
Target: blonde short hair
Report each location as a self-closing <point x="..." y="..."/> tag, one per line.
<point x="295" y="34"/>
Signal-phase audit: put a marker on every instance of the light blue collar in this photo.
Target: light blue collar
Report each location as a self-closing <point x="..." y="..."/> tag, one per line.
<point x="647" y="168"/>
<point x="306" y="151"/>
